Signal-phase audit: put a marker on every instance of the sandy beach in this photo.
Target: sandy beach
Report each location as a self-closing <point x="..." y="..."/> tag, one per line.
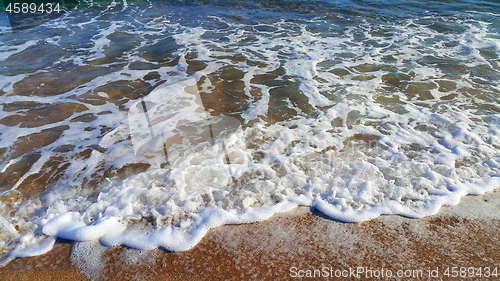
<point x="465" y="235"/>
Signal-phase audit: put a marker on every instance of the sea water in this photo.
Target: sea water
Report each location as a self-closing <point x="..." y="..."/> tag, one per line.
<point x="147" y="123"/>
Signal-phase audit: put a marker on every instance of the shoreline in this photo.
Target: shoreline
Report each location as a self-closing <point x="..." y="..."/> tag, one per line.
<point x="280" y="247"/>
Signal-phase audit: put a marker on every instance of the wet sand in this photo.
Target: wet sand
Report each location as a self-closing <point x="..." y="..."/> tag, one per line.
<point x="463" y="236"/>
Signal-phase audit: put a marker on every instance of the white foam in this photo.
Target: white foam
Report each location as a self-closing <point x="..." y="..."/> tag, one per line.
<point x="31" y="245"/>
<point x="355" y="160"/>
<point x="88" y="256"/>
<point x="7" y="51"/>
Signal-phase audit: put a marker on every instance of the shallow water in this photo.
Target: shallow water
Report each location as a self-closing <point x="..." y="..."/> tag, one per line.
<point x="146" y="123"/>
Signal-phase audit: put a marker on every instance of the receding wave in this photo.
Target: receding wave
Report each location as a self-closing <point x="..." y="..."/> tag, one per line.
<point x="146" y="124"/>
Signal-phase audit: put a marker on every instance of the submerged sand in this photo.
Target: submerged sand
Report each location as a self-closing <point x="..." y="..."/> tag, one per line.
<point x="459" y="236"/>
